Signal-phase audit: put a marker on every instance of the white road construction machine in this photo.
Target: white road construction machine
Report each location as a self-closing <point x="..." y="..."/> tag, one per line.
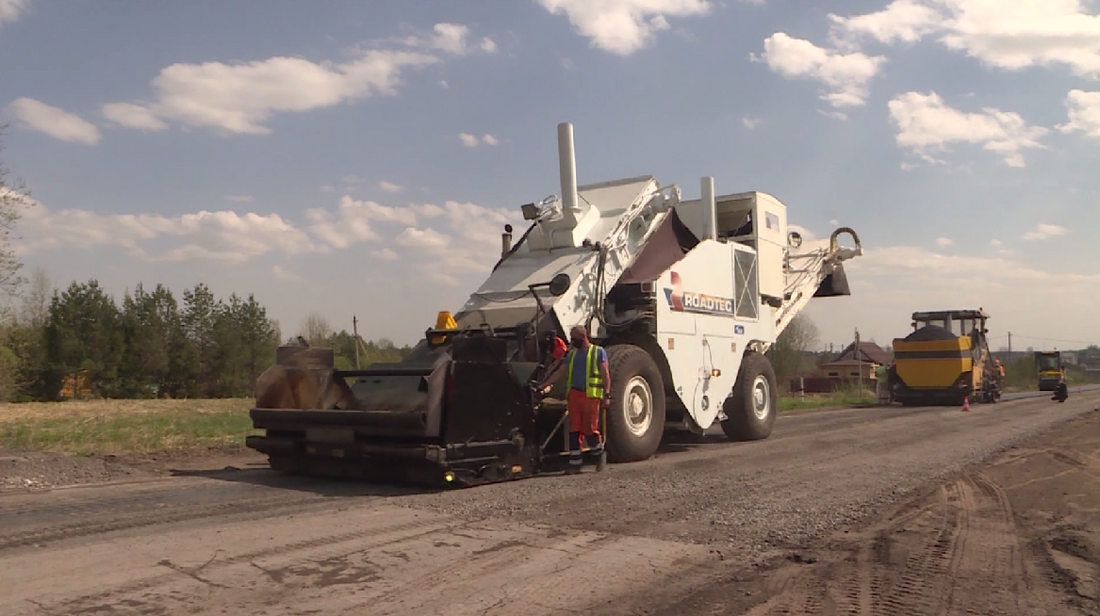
<point x="686" y="296"/>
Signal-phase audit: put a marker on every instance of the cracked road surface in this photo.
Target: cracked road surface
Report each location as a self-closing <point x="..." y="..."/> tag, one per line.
<point x="857" y="511"/>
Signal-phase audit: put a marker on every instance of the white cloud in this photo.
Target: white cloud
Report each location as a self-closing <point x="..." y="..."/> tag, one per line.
<point x="472" y="141"/>
<point x="239" y="98"/>
<point x="944" y="241"/>
<point x="925" y="124"/>
<point x="750" y="123"/>
<point x="55" y="122"/>
<point x="846" y="75"/>
<point x="901" y="20"/>
<point x="806" y="234"/>
<point x="422" y="238"/>
<point x="916" y="265"/>
<point x="11" y="10"/>
<point x="240" y="198"/>
<point x="469" y="233"/>
<point x="353" y="221"/>
<point x="384" y="254"/>
<point x="487" y="45"/>
<point x="450" y="38"/>
<point x="285" y="274"/>
<point x="833" y="114"/>
<point x="622" y="27"/>
<point x="931" y="278"/>
<point x="1045" y="231"/>
<point x="1006" y="35"/>
<point x="132" y="116"/>
<point x="222" y="235"/>
<point x="1084" y="113"/>
<point x="994" y="242"/>
<point x="390" y="187"/>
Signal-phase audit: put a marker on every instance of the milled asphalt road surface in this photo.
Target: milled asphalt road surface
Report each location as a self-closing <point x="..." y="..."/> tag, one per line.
<point x="636" y="539"/>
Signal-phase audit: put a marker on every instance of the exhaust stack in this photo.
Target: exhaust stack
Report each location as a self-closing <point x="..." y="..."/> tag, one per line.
<point x="567" y="161"/>
<point x="506" y="241"/>
<point x="710" y="224"/>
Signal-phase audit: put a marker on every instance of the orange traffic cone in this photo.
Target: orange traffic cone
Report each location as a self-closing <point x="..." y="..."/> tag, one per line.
<point x="966" y="404"/>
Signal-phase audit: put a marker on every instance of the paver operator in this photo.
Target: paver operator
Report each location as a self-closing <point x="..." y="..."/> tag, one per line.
<point x="589" y="385"/>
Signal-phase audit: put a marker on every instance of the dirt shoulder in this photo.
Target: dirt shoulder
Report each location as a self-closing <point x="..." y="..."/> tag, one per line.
<point x="1019" y="535"/>
<point x="28" y="471"/>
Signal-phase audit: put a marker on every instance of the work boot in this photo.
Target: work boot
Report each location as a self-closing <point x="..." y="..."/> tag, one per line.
<point x="575" y="462"/>
<point x="594" y="444"/>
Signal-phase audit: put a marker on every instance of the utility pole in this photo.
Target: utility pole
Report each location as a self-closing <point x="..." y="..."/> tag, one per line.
<point x="355" y="332"/>
<point x="1010" y="343"/>
<point x="859" y="363"/>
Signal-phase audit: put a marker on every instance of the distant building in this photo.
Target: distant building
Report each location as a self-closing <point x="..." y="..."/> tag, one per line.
<point x="846" y="366"/>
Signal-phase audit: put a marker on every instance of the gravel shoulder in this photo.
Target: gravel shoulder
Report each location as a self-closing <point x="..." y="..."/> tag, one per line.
<point x="800" y="520"/>
<point x="1018" y="535"/>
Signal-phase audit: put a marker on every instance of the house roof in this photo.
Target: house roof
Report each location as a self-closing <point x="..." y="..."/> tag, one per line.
<point x="848" y="362"/>
<point x="868" y="352"/>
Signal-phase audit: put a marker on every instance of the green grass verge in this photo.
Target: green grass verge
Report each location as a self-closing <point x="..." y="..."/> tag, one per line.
<point x="128" y="426"/>
<point x="840" y="399"/>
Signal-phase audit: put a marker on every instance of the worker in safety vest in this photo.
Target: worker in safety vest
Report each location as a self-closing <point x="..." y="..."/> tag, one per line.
<point x="881" y="387"/>
<point x="589" y="384"/>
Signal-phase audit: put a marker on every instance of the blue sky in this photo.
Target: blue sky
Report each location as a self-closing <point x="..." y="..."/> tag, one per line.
<point x="360" y="158"/>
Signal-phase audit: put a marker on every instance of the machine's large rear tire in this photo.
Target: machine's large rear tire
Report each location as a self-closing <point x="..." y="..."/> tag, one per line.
<point x="636" y="416"/>
<point x="751" y="410"/>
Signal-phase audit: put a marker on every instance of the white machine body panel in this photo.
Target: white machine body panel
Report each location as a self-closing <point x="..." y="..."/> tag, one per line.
<point x="707" y="313"/>
<point x="620" y="215"/>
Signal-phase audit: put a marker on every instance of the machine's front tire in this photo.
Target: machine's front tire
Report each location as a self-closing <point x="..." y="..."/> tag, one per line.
<point x="636" y="416"/>
<point x="751" y="410"/>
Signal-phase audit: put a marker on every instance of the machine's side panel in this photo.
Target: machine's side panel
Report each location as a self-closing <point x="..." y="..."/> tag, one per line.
<point x="698" y="330"/>
<point x="770" y="217"/>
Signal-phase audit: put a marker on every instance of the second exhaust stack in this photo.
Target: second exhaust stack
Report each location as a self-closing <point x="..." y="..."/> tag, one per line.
<point x="567" y="162"/>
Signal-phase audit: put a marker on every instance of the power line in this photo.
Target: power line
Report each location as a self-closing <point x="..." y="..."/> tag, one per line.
<point x="1014" y="334"/>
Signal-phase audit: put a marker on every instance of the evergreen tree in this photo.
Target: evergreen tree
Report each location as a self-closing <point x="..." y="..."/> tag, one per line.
<point x="83" y="333"/>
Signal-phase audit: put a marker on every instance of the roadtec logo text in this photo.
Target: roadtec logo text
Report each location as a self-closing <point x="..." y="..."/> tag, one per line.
<point x="680" y="301"/>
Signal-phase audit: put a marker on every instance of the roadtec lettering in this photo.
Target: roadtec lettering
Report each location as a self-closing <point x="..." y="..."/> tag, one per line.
<point x="707" y="303"/>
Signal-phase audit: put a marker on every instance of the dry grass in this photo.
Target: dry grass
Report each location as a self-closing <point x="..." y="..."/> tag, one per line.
<point x="813" y="402"/>
<point x="85" y="409"/>
<point x="124" y="426"/>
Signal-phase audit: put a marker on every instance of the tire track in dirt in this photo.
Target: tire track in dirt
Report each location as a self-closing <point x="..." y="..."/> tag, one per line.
<point x="371" y="538"/>
<point x="931" y="560"/>
<point x="387" y="566"/>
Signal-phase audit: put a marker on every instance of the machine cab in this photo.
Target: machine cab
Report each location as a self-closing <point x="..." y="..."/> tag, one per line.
<point x="962" y="323"/>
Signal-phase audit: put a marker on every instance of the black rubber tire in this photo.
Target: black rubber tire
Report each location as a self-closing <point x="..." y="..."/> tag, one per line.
<point x="741" y="422"/>
<point x="626" y="361"/>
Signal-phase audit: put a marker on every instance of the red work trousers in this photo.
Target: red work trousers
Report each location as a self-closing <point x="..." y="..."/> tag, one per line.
<point x="584" y="414"/>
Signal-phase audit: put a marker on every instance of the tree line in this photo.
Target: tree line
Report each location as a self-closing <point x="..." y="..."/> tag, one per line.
<point x="79" y="342"/>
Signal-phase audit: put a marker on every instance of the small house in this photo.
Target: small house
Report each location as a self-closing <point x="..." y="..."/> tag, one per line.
<point x="847" y="365"/>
